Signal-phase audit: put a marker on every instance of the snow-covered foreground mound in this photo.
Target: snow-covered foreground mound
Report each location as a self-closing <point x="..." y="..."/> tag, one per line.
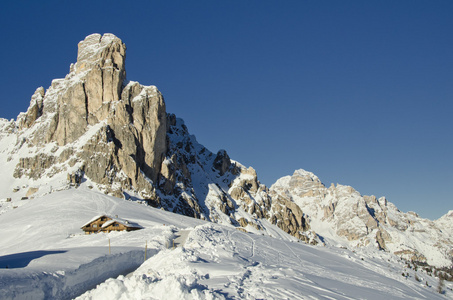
<point x="45" y="255"/>
<point x="222" y="263"/>
<point x="49" y="257"/>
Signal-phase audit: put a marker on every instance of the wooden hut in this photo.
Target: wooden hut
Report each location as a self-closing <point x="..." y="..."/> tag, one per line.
<point x="104" y="223"/>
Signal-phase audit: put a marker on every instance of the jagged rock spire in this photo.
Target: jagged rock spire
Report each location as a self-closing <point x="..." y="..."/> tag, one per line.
<point x="103" y="59"/>
<point x="95" y="82"/>
<point x="130" y="119"/>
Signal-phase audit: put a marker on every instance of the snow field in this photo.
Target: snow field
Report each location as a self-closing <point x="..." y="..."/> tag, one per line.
<point x="221" y="263"/>
<point x="48" y="256"/>
<point x="55" y="260"/>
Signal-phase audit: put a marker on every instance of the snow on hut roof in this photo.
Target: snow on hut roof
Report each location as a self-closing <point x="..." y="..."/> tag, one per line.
<point x="94" y="219"/>
<point x="112" y="220"/>
<point x="121" y="221"/>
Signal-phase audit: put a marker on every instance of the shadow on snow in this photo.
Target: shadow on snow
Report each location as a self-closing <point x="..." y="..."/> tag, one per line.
<point x="21" y="260"/>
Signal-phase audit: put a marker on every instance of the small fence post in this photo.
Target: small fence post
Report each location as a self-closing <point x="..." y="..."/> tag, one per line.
<point x="146" y="249"/>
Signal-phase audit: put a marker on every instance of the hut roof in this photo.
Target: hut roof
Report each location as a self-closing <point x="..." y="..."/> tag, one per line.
<point x="126" y="223"/>
<point x="112" y="220"/>
<point x="94" y="219"/>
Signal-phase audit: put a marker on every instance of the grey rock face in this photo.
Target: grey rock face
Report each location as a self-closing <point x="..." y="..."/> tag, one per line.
<point x="27" y="119"/>
<point x="34" y="167"/>
<point x="222" y="162"/>
<point x="97" y="81"/>
<point x="114" y="132"/>
<point x="103" y="59"/>
<point x="72" y="115"/>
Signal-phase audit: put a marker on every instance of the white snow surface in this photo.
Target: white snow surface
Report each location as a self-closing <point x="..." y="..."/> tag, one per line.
<point x="49" y="257"/>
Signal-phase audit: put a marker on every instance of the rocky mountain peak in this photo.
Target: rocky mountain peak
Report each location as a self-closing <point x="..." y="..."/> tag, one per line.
<point x="304" y="180"/>
<point x="106" y="51"/>
<point x="84" y="97"/>
<point x="305" y="174"/>
<point x="111" y="131"/>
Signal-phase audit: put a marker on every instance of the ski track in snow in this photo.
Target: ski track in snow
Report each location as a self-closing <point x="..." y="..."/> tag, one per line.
<point x="252" y="246"/>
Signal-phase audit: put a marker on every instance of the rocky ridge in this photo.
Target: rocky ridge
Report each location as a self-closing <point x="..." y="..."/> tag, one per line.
<point x="95" y="129"/>
<point x="367" y="221"/>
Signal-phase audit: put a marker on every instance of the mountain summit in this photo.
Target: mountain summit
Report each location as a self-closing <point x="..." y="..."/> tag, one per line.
<point x="96" y="130"/>
<point x="110" y="129"/>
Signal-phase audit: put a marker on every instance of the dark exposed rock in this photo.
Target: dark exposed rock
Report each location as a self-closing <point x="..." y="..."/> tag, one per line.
<point x="27" y="119"/>
<point x="34" y="167"/>
<point x="222" y="162"/>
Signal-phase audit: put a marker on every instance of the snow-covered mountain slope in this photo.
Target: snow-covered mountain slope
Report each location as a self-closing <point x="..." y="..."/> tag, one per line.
<point x="446" y="221"/>
<point x="343" y="215"/>
<point x="56" y="260"/>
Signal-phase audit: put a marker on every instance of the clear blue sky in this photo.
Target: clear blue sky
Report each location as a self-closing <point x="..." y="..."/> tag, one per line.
<point x="358" y="92"/>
